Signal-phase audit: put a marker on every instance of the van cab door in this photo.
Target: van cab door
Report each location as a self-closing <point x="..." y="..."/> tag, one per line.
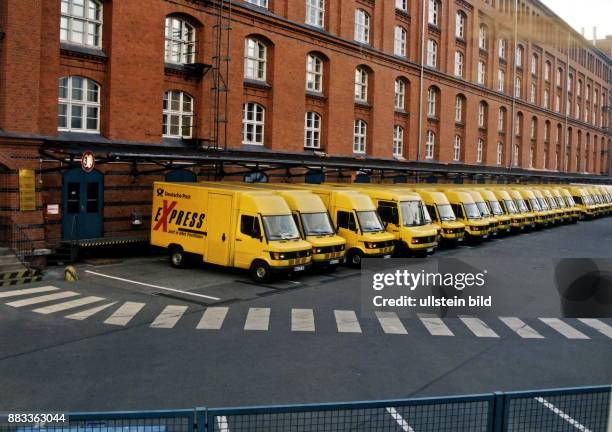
<point x="347" y="227"/>
<point x="249" y="240"/>
<point x="389" y="214"/>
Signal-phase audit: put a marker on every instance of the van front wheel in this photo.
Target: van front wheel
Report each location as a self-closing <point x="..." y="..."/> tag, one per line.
<point x="354" y="257"/>
<point x="178" y="257"/>
<point x="260" y="271"/>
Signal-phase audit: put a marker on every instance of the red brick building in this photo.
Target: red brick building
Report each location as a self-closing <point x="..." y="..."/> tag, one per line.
<point x="481" y="89"/>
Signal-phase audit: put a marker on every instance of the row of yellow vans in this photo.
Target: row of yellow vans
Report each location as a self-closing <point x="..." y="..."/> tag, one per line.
<point x="287" y="228"/>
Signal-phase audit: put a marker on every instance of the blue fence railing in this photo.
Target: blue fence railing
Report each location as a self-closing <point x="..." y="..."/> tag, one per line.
<point x="585" y="409"/>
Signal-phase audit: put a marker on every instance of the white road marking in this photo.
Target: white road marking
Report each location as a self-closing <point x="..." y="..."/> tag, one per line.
<point x="434" y="325"/>
<point x="565" y="329"/>
<point x="347" y="322"/>
<point x="45" y="310"/>
<point x="169" y="316"/>
<point x="42" y="299"/>
<point x="478" y="327"/>
<point x="400" y="420"/>
<point x="222" y="424"/>
<point x="598" y="325"/>
<point x="21" y="292"/>
<point x="152" y="286"/>
<point x="302" y="320"/>
<point x="213" y="318"/>
<point x="80" y="316"/>
<point x="390" y="323"/>
<point x="258" y="319"/>
<point x="124" y="314"/>
<point x="563" y="415"/>
<point x="520" y="328"/>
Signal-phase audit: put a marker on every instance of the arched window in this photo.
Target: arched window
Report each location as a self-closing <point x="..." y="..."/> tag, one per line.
<point x="482" y="115"/>
<point x="531" y="156"/>
<point x="430" y="144"/>
<point x="434" y="12"/>
<point x="314" y="73"/>
<point x="501" y="120"/>
<point x="518" y="127"/>
<point x="79" y="105"/>
<point x="362" y="26"/>
<point x="401" y="39"/>
<point x="401" y="5"/>
<point x="579" y="88"/>
<point x="255" y="59"/>
<point x="482" y="71"/>
<point x="519" y="56"/>
<point x="547" y="71"/>
<point x="546" y="131"/>
<point x="361" y="84"/>
<point x="360" y="134"/>
<point x="400" y="94"/>
<point x="588" y="92"/>
<point x="502" y="48"/>
<point x="432" y="96"/>
<point x="534" y="64"/>
<point x="459" y="63"/>
<point x="533" y="128"/>
<point x="178" y="115"/>
<point x="81" y="22"/>
<point x="517" y="87"/>
<point x="457" y="148"/>
<point x="482" y="37"/>
<point x="312" y="130"/>
<point x="460" y="22"/>
<point x="459" y="104"/>
<point x="315" y="12"/>
<point x="532" y="93"/>
<point x="501" y="80"/>
<point x="479" y="150"/>
<point x="398" y="140"/>
<point x="500" y="153"/>
<point x="546" y="99"/>
<point x="180" y="41"/>
<point x="432" y="53"/>
<point x="253" y="123"/>
<point x="515" y="155"/>
<point x="559" y="76"/>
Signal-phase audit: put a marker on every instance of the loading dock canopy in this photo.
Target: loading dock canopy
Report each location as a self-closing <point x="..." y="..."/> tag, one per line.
<point x="174" y="155"/>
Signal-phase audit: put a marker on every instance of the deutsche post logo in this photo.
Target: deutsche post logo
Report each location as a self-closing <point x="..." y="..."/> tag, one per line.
<point x="160" y="192"/>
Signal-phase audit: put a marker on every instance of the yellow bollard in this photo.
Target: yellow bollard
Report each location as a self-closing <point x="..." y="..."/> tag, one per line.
<point x="70" y="274"/>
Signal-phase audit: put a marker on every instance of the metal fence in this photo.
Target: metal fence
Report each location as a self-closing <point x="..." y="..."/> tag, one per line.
<point x="584" y="409"/>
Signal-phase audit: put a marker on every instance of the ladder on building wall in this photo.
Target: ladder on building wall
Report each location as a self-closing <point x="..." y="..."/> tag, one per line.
<point x="220" y="74"/>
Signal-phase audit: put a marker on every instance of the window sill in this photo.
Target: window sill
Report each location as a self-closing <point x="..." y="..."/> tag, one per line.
<point x="316" y="95"/>
<point x="402" y="112"/>
<point x="83" y="51"/>
<point x="362" y="105"/>
<point x="257" y="84"/>
<point x="402" y="13"/>
<point x="433" y="118"/>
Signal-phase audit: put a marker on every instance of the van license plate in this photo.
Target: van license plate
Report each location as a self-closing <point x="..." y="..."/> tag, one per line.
<point x="386" y="256"/>
<point x="334" y="261"/>
<point x="299" y="268"/>
<point x="485" y="236"/>
<point x="429" y="249"/>
<point x="460" y="239"/>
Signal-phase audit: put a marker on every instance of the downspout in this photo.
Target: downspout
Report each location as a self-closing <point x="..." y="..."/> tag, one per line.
<point x="513" y="87"/>
<point x="566" y="163"/>
<point x="421" y="83"/>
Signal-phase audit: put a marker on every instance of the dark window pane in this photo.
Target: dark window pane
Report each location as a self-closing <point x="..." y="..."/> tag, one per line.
<point x="93" y="190"/>
<point x="74" y="192"/>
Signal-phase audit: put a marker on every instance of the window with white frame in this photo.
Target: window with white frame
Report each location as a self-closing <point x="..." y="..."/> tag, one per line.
<point x="545" y="160"/>
<point x="434" y="12"/>
<point x="314" y="73"/>
<point x="559" y="76"/>
<point x="534" y="64"/>
<point x="255" y="59"/>
<point x="360" y="134"/>
<point x="430" y="144"/>
<point x="517" y="87"/>
<point x="315" y="13"/>
<point x="568" y="106"/>
<point x="519" y="56"/>
<point x="501" y="120"/>
<point x="546" y="131"/>
<point x="401" y="38"/>
<point x="586" y="114"/>
<point x="532" y="132"/>
<point x="531" y="156"/>
<point x="398" y="140"/>
<point x="515" y="155"/>
<point x="457" y="149"/>
<point x="482" y="37"/>
<point x="558" y="103"/>
<point x="253" y="123"/>
<point x="460" y="21"/>
<point x="546" y="99"/>
<point x="579" y="88"/>
<point x="479" y="150"/>
<point x="401" y="5"/>
<point x="577" y="111"/>
<point x="501" y="80"/>
<point x="432" y="95"/>
<point x="570" y="82"/>
<point x="178" y="115"/>
<point x="482" y="114"/>
<point x="458" y="63"/>
<point x="361" y="85"/>
<point x="547" y="71"/>
<point x="432" y="53"/>
<point x="180" y="41"/>
<point x="81" y="22"/>
<point x="400" y="94"/>
<point x="500" y="153"/>
<point x="502" y="48"/>
<point x="519" y="125"/>
<point x="79" y="105"/>
<point x="459" y="109"/>
<point x="312" y="130"/>
<point x="362" y="26"/>
<point x="532" y="93"/>
<point x="482" y="69"/>
<point x="260" y="3"/>
<point x="588" y="92"/>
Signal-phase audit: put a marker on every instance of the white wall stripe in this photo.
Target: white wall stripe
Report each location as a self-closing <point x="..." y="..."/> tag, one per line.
<point x="213" y="318"/>
<point x="42" y="299"/>
<point x="434" y="325"/>
<point x="302" y="320"/>
<point x="390" y="322"/>
<point x="478" y="327"/>
<point x="17" y="293"/>
<point x="565" y="329"/>
<point x="124" y="314"/>
<point x="520" y="328"/>
<point x="45" y="310"/>
<point x="258" y="319"/>
<point x="400" y="420"/>
<point x="169" y="316"/>
<point x="563" y="415"/>
<point x="80" y="316"/>
<point x="598" y="325"/>
<point x="347" y="322"/>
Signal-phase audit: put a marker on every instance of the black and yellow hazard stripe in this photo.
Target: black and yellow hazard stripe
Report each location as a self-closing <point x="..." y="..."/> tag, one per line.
<point x="21" y="274"/>
<point x="20" y="281"/>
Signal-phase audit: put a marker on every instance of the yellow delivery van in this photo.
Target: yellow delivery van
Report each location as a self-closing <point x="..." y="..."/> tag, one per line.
<point x="520" y="220"/>
<point x="527" y="201"/>
<point x="463" y="205"/>
<point x="504" y="219"/>
<point x="495" y="224"/>
<point x="452" y="231"/>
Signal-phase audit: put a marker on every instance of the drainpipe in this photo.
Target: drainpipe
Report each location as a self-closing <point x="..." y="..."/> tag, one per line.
<point x="421" y="83"/>
<point x="513" y="87"/>
<point x="566" y="164"/>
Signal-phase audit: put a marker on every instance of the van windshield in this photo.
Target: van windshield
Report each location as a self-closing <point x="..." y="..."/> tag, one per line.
<point x="484" y="210"/>
<point x="522" y="205"/>
<point x="570" y="201"/>
<point x="497" y="210"/>
<point x="471" y="211"/>
<point x="552" y="203"/>
<point x="560" y="202"/>
<point x="535" y="205"/>
<point x="369" y="221"/>
<point x="412" y="213"/>
<point x="426" y="214"/>
<point x="316" y="223"/>
<point x="280" y="227"/>
<point x="510" y="206"/>
<point x="446" y="212"/>
<point x="543" y="204"/>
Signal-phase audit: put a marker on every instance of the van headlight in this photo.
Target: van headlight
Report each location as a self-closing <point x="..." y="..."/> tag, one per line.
<point x="277" y="255"/>
<point x="371" y="245"/>
<point x="317" y="250"/>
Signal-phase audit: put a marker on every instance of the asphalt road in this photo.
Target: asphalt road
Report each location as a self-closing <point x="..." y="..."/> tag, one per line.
<point x="141" y="335"/>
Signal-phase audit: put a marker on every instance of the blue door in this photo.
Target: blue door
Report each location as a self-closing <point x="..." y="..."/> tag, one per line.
<point x="82" y="203"/>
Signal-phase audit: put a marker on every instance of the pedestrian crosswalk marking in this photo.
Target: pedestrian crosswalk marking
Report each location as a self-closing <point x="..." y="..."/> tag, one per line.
<point x="390" y="323"/>
<point x="257" y="319"/>
<point x="435" y="326"/>
<point x="565" y="329"/>
<point x="520" y="328"/>
<point x="42" y="299"/>
<point x="302" y="320"/>
<point x="347" y="322"/>
<point x="213" y="318"/>
<point x="80" y="316"/>
<point x="478" y="327"/>
<point x="169" y="316"/>
<point x="598" y="325"/>
<point x="17" y="293"/>
<point x="72" y="304"/>
<point x="400" y="420"/>
<point x="124" y="314"/>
